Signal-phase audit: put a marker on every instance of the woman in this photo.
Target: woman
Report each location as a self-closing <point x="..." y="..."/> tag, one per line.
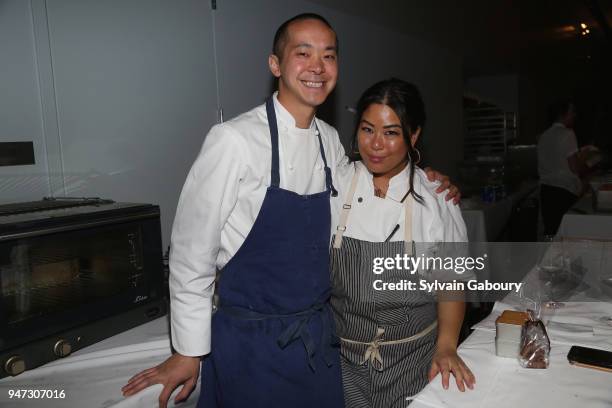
<point x="393" y="342"/>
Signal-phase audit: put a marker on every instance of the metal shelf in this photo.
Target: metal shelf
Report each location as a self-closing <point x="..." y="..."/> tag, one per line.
<point x="488" y="130"/>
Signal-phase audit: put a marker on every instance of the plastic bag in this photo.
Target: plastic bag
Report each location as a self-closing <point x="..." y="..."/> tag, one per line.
<point x="535" y="344"/>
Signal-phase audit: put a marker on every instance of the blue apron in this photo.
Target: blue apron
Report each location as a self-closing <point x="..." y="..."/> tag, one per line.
<point x="273" y="342"/>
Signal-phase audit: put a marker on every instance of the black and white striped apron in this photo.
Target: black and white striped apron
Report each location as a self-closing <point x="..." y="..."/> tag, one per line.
<point x="387" y="337"/>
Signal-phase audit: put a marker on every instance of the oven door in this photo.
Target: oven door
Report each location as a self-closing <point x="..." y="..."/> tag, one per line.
<point x="56" y="281"/>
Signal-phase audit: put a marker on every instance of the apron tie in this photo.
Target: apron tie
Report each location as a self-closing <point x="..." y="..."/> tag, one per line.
<point x="298" y="329"/>
<point x="372" y="353"/>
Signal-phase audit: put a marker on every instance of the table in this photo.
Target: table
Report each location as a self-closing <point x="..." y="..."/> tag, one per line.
<point x="502" y="382"/>
<point x="582" y="221"/>
<point x="486" y="221"/>
<point x="598" y="180"/>
<point x="93" y="377"/>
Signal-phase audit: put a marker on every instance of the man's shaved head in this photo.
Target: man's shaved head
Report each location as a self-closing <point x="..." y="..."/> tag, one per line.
<point x="280" y="38"/>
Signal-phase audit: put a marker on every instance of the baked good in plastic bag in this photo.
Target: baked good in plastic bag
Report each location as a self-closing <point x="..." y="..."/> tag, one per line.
<point x="535" y="344"/>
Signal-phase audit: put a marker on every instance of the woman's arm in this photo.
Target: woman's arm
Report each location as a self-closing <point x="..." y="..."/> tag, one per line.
<point x="446" y="360"/>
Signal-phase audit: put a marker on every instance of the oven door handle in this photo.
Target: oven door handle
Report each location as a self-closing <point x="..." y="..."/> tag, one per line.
<point x="72" y="227"/>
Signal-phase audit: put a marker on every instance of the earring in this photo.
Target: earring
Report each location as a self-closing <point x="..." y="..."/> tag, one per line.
<point x="418" y="153"/>
<point x="354" y="148"/>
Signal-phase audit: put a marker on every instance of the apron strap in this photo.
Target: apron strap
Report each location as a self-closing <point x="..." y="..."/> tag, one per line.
<point x="346" y="208"/>
<point x="328" y="174"/>
<point x="274" y="173"/>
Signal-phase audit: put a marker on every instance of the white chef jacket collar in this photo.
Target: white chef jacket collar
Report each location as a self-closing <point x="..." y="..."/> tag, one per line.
<point x="286" y="117"/>
<point x="398" y="185"/>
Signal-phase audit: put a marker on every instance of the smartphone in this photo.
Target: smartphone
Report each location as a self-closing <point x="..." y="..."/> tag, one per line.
<point x="590" y="358"/>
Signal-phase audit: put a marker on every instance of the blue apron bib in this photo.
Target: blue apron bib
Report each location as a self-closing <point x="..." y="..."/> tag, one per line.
<point x="273" y="341"/>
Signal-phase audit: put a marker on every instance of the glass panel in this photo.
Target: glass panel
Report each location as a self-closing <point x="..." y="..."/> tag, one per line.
<point x="52" y="273"/>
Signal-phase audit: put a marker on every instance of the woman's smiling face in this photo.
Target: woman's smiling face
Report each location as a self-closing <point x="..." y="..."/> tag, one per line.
<point x="381" y="140"/>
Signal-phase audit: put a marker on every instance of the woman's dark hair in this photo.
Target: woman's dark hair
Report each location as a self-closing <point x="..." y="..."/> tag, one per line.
<point x="406" y="101"/>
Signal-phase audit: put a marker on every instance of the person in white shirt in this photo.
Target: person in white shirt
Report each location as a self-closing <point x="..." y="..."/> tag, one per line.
<point x="559" y="166"/>
<point x="255" y="206"/>
<point x="393" y="342"/>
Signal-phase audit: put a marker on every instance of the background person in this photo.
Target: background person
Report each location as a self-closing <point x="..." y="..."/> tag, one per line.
<point x="560" y="166"/>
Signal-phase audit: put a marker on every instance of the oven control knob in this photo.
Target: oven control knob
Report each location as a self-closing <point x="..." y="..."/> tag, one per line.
<point x="14" y="366"/>
<point x="62" y="348"/>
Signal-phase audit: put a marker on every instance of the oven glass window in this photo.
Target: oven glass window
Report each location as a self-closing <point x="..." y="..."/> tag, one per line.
<point x="52" y="273"/>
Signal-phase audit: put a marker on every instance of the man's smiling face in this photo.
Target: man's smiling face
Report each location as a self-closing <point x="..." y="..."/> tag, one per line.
<point x="307" y="67"/>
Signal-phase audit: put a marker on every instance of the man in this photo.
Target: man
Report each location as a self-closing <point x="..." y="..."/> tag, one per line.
<point x="559" y="166"/>
<point x="255" y="205"/>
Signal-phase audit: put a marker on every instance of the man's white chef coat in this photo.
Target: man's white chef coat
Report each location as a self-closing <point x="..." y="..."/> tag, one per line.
<point x="555" y="146"/>
<point x="221" y="199"/>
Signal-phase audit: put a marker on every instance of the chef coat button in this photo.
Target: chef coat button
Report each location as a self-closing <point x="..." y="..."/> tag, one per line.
<point x="291" y="167"/>
<point x="316" y="132"/>
<point x="360" y="199"/>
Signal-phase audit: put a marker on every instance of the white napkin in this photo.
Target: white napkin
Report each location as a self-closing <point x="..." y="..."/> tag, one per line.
<point x="568" y="329"/>
<point x="602" y="330"/>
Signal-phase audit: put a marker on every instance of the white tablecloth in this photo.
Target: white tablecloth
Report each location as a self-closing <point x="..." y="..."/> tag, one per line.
<point x="486" y="221"/>
<point x="93" y="377"/>
<point x="583" y="221"/>
<point x="503" y="383"/>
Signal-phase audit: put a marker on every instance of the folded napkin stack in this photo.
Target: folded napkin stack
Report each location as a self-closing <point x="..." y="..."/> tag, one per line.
<point x="508" y="333"/>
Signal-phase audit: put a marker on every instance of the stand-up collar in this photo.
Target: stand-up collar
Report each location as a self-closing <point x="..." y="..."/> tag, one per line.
<point x="398" y="184"/>
<point x="283" y="115"/>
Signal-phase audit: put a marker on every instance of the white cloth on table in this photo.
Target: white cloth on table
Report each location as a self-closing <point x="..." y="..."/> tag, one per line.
<point x="93" y="377"/>
<point x="589" y="226"/>
<point x="503" y="383"/>
<point x="486" y="221"/>
<point x="576" y="323"/>
<point x="580" y="329"/>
